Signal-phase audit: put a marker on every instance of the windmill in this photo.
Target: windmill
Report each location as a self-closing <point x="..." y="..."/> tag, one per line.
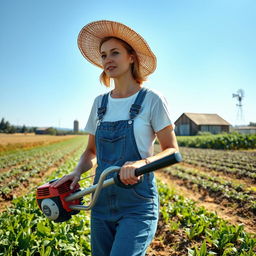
<point x="239" y="95"/>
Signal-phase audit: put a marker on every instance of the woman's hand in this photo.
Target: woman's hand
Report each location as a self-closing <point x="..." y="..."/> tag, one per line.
<point x="73" y="176"/>
<point x="127" y="172"/>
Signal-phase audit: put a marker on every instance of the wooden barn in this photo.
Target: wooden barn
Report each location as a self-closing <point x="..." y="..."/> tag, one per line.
<point x="192" y="123"/>
<point x="245" y="129"/>
<point x="42" y="130"/>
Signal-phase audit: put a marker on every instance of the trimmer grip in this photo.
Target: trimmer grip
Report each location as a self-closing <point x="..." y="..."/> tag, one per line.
<point x="158" y="164"/>
<point x="119" y="183"/>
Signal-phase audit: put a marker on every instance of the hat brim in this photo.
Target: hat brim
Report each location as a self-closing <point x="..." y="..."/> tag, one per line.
<point x="91" y="35"/>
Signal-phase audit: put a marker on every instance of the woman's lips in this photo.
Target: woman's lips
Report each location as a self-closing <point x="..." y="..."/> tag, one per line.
<point x="111" y="68"/>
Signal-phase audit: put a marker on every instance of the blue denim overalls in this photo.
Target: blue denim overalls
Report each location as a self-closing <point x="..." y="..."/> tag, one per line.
<point x="123" y="221"/>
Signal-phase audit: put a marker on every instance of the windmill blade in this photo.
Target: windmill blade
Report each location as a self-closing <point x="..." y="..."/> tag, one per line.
<point x="241" y="93"/>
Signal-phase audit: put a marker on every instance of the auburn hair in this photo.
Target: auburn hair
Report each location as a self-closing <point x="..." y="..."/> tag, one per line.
<point x="135" y="67"/>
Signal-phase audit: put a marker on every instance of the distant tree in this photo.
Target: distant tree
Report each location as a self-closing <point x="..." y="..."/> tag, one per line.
<point x="61" y="132"/>
<point x="252" y="124"/>
<point x="4" y="125"/>
<point x="12" y="129"/>
<point x="18" y="129"/>
<point x="7" y="126"/>
<point x="31" y="129"/>
<point x="24" y="129"/>
<point x="51" y="131"/>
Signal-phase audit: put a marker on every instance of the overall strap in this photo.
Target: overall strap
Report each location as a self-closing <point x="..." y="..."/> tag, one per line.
<point x="136" y="106"/>
<point x="103" y="108"/>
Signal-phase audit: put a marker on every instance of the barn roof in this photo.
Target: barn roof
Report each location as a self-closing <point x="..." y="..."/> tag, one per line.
<point x="206" y="119"/>
<point x="42" y="128"/>
<point x="245" y="128"/>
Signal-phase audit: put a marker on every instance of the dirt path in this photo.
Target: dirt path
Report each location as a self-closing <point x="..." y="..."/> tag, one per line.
<point x="226" y="213"/>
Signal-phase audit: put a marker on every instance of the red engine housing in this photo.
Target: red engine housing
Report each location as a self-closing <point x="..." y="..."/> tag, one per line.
<point x="57" y="195"/>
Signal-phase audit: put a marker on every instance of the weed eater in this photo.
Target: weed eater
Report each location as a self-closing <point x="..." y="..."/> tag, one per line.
<point x="59" y="204"/>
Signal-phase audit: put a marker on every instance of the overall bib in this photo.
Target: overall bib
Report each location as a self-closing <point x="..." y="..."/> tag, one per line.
<point x="123" y="221"/>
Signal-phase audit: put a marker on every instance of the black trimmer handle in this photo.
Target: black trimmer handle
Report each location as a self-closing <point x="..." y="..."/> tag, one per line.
<point x="158" y="164"/>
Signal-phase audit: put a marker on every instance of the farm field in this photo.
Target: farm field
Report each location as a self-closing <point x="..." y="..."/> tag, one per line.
<point x="20" y="169"/>
<point x="204" y="210"/>
<point x="220" y="180"/>
<point x="24" y="141"/>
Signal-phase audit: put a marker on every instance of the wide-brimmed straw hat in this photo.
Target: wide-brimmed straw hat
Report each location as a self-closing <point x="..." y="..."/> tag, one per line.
<point x="91" y="35"/>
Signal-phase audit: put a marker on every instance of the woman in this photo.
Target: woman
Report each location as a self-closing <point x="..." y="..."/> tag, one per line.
<point x="122" y="127"/>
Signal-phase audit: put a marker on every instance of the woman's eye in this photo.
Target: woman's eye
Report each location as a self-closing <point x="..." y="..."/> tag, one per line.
<point x="103" y="56"/>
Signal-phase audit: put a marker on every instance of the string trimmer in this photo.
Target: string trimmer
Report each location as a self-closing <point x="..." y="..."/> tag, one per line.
<point x="59" y="204"/>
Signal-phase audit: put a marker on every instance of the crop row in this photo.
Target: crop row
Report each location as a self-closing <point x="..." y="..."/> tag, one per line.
<point x="24" y="230"/>
<point x="219" y="141"/>
<point x="25" y="156"/>
<point x="18" y="175"/>
<point x="197" y="226"/>
<point x="32" y="234"/>
<point x="239" y="164"/>
<point x="42" y="157"/>
<point x="216" y="185"/>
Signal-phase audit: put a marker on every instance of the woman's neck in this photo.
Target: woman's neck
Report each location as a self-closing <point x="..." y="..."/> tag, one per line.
<point x="125" y="88"/>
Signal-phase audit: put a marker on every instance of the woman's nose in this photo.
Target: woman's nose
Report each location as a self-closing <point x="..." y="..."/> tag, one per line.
<point x="107" y="61"/>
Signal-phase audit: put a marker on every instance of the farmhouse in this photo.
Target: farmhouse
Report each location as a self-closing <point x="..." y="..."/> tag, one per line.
<point x="42" y="130"/>
<point x="245" y="129"/>
<point x="191" y="123"/>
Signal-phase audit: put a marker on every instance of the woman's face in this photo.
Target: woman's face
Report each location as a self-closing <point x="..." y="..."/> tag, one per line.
<point x="115" y="59"/>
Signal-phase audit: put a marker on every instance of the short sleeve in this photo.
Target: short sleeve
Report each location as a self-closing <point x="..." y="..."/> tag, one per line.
<point x="160" y="114"/>
<point x="92" y="120"/>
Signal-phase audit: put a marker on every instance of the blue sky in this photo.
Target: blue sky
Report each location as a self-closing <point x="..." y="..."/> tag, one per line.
<point x="206" y="50"/>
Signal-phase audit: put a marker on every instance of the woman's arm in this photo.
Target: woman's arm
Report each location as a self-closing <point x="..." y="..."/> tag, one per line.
<point x="86" y="162"/>
<point x="169" y="145"/>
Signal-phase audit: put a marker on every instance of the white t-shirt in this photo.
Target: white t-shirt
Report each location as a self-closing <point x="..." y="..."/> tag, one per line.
<point x="153" y="117"/>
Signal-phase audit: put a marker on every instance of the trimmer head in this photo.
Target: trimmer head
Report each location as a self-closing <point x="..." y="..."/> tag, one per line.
<point x="52" y="201"/>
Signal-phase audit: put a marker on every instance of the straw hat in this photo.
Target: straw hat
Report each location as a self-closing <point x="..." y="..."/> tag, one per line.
<point x="90" y="37"/>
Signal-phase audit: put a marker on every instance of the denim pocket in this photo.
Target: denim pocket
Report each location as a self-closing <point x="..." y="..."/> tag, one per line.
<point x="140" y="196"/>
<point x="112" y="150"/>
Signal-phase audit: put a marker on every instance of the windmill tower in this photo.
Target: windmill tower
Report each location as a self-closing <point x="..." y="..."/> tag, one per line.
<point x="239" y="95"/>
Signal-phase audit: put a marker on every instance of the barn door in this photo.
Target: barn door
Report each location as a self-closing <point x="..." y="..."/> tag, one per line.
<point x="184" y="129"/>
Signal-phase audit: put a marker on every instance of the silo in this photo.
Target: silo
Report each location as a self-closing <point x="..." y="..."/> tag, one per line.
<point x="76" y="126"/>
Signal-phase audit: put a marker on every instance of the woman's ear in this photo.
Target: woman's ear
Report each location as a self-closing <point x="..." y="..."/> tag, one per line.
<point x="131" y="59"/>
